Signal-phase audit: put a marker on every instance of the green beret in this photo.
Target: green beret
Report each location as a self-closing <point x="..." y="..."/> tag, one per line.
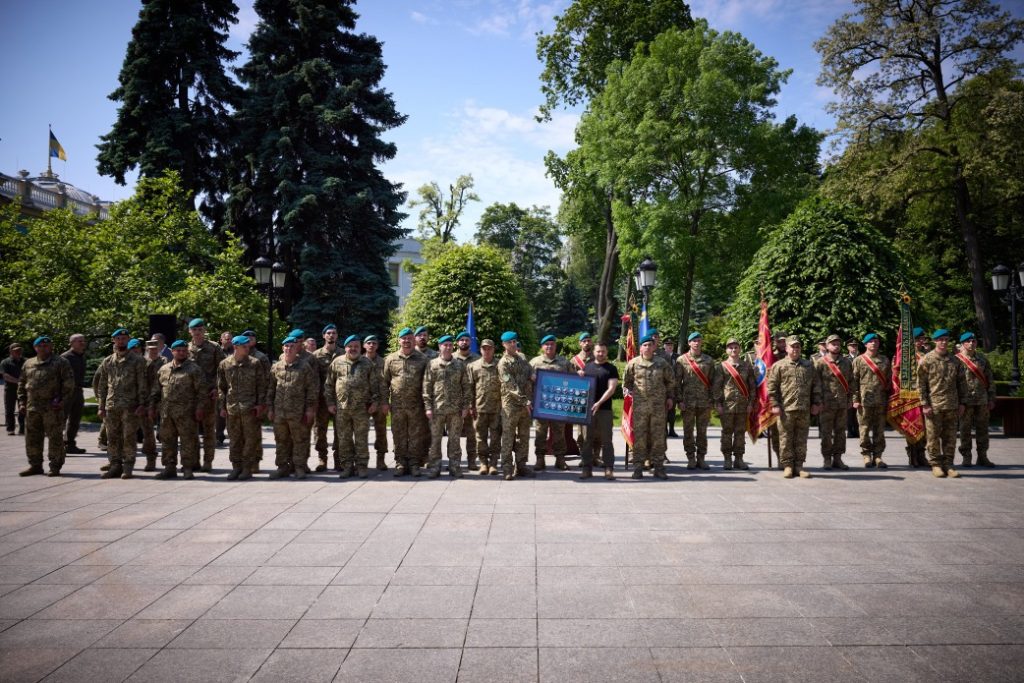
<point x="133" y="343"/>
<point x="351" y="338"/>
<point x="328" y="327"/>
<point x="869" y="336"/>
<point x="118" y="332"/>
<point x="918" y="332"/>
<point x="584" y="335"/>
<point x="462" y="335"/>
<point x="421" y="329"/>
<point x="966" y="336"/>
<point x="694" y="335"/>
<point x="548" y="338"/>
<point x="179" y="344"/>
<point x="941" y="332"/>
<point x="196" y="322"/>
<point x="509" y="336"/>
<point x="240" y="340"/>
<point x="370" y="338"/>
<point x="444" y="339"/>
<point x="405" y="331"/>
<point x="297" y="333"/>
<point x="42" y="339"/>
<point x="647" y="338"/>
<point x="288" y="340"/>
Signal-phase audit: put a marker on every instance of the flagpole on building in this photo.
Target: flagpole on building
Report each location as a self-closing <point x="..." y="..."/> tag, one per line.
<point x="49" y="163"/>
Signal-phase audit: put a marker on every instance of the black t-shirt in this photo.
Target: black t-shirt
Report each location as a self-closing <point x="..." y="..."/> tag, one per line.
<point x="601" y="372"/>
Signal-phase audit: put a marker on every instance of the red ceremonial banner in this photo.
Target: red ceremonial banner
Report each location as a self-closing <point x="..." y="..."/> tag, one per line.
<point x="904" y="412"/>
<point x="627" y="402"/>
<point x="761" y="417"/>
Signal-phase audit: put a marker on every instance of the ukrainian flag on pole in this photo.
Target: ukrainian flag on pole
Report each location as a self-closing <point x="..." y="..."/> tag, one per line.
<point x="56" y="151"/>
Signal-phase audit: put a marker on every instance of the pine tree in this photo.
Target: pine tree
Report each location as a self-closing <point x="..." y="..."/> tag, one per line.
<point x="309" y="189"/>
<point x="176" y="98"/>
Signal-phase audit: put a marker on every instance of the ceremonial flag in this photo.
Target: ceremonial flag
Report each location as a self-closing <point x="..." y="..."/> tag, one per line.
<point x="627" y="402"/>
<point x="904" y="412"/>
<point x="761" y="418"/>
<point x="643" y="327"/>
<point x="56" y="151"/>
<point x="474" y="346"/>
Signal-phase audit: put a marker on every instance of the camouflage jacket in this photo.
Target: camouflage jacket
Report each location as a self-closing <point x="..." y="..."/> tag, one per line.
<point x="516" y="378"/>
<point x="468" y="358"/>
<point x="208" y="357"/>
<point x="833" y="395"/>
<point x="403" y="379"/>
<point x="867" y="388"/>
<point x="428" y="353"/>
<point x="242" y="384"/>
<point x="43" y="382"/>
<point x="691" y="390"/>
<point x="793" y="385"/>
<point x="445" y="386"/>
<point x="484" y="386"/>
<point x="352" y="384"/>
<point x="650" y="382"/>
<point x="122" y="382"/>
<point x="978" y="392"/>
<point x="264" y="360"/>
<point x="293" y="388"/>
<point x="178" y="389"/>
<point x="727" y="393"/>
<point x="556" y="364"/>
<point x="941" y="381"/>
<point x="152" y="370"/>
<point x="323" y="358"/>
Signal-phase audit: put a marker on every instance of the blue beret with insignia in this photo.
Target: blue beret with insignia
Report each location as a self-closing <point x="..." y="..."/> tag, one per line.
<point x="693" y="335"/>
<point x="647" y="338"/>
<point x="509" y="336"/>
<point x="328" y="327"/>
<point x="119" y="331"/>
<point x="421" y="329"/>
<point x="445" y="338"/>
<point x="939" y="333"/>
<point x="196" y="322"/>
<point x="405" y="331"/>
<point x="297" y="333"/>
<point x="288" y="340"/>
<point x="134" y="343"/>
<point x="462" y="335"/>
<point x="548" y="338"/>
<point x="370" y="338"/>
<point x="868" y="337"/>
<point x="239" y="340"/>
<point x="584" y="335"/>
<point x="918" y="331"/>
<point x="351" y="338"/>
<point x="966" y="336"/>
<point x="179" y="344"/>
<point x="42" y="339"/>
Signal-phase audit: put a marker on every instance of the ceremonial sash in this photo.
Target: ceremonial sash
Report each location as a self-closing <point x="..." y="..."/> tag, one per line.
<point x="740" y="384"/>
<point x="578" y="362"/>
<point x="700" y="374"/>
<point x="972" y="366"/>
<point x="839" y="373"/>
<point x="874" y="369"/>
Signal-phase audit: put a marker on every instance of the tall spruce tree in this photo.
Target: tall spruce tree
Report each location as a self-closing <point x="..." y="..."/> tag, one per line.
<point x="176" y="99"/>
<point x="309" y="189"/>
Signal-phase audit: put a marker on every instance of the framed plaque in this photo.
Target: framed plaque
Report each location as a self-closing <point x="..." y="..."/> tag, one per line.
<point x="563" y="397"/>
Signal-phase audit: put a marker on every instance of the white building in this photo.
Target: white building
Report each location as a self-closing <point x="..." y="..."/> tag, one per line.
<point x="401" y="280"/>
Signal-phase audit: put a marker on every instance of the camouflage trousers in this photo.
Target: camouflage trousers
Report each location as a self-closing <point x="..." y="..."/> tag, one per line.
<point x="734" y="430"/>
<point x="598" y="440"/>
<point x="122" y="426"/>
<point x="246" y="436"/>
<point x="515" y="437"/>
<point x="487" y="430"/>
<point x="352" y="433"/>
<point x="974" y="419"/>
<point x="179" y="427"/>
<point x="323" y="422"/>
<point x="406" y="430"/>
<point x="45" y="425"/>
<point x="148" y="436"/>
<point x="872" y="430"/>
<point x="469" y="434"/>
<point x="540" y="442"/>
<point x="832" y="428"/>
<point x="940" y="427"/>
<point x="73" y="415"/>
<point x="696" y="420"/>
<point x="424" y="444"/>
<point x="291" y="440"/>
<point x="453" y="423"/>
<point x="380" y="433"/>
<point x="209" y="429"/>
<point x="649" y="435"/>
<point x="794" y="426"/>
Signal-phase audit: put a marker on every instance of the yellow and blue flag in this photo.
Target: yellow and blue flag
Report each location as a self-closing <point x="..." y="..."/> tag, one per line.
<point x="56" y="151"/>
<point x="474" y="346"/>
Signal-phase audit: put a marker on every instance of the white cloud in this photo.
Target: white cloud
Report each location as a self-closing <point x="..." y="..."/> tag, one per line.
<point x="421" y="18"/>
<point x="522" y="18"/>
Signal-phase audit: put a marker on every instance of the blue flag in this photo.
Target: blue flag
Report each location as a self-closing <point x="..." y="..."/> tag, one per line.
<point x="471" y="329"/>
<point x="642" y="332"/>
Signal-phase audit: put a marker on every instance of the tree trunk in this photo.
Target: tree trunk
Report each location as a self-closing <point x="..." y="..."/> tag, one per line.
<point x="979" y="287"/>
<point x="691" y="269"/>
<point x="605" y="308"/>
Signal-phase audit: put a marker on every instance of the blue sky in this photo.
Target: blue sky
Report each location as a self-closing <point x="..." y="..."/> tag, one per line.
<point x="464" y="71"/>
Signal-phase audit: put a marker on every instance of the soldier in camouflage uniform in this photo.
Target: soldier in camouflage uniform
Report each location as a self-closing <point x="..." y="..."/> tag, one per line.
<point x="464" y="353"/>
<point x="943" y="387"/>
<point x="45" y="386"/>
<point x="651" y="381"/>
<point x="733" y="390"/>
<point x="795" y="394"/>
<point x="403" y="397"/>
<point x="122" y="400"/>
<point x="870" y="389"/>
<point x="304" y="354"/>
<point x="265" y="363"/>
<point x="242" y="386"/>
<point x="778" y="353"/>
<point x="292" y="398"/>
<point x="154" y="361"/>
<point x="917" y="454"/>
<point x="379" y="418"/>
<point x="423" y="346"/>
<point x="446" y="402"/>
<point x="694" y="374"/>
<point x="548" y="361"/>
<point x="179" y="392"/>
<point x="516" y="382"/>
<point x="978" y="401"/>
<point x="353" y="392"/>
<point x="577" y="363"/>
<point x="208" y="357"/>
<point x="324" y="356"/>
<point x="835" y="374"/>
<point x="485" y="406"/>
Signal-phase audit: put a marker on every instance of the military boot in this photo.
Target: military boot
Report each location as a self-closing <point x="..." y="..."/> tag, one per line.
<point x="525" y="471"/>
<point x="301" y="472"/>
<point x="691" y="461"/>
<point x="952" y="474"/>
<point x="114" y="472"/>
<point x="560" y="463"/>
<point x="455" y="469"/>
<point x="127" y="473"/>
<point x="484" y="469"/>
<point x="208" y="465"/>
<point x="968" y="458"/>
<point x="659" y="473"/>
<point x="869" y="461"/>
<point x="541" y="463"/>
<point x="235" y="473"/>
<point x="493" y="470"/>
<point x="150" y="464"/>
<point x="337" y="463"/>
<point x="433" y="472"/>
<point x="381" y="465"/>
<point x="105" y="467"/>
<point x="804" y="474"/>
<point x="169" y="472"/>
<point x="400" y="468"/>
<point x="938" y="472"/>
<point x="470" y="462"/>
<point x="246" y="473"/>
<point x="728" y="462"/>
<point x="321" y="463"/>
<point x="826" y="462"/>
<point x="609" y="473"/>
<point x="701" y="464"/>
<point x="255" y="468"/>
<point x="586" y="472"/>
<point x="346" y="472"/>
<point x="187" y="473"/>
<point x="787" y="473"/>
<point x="879" y="463"/>
<point x="280" y="473"/>
<point x="53" y="472"/>
<point x="983" y="460"/>
<point x="838" y="464"/>
<point x="638" y="472"/>
<point x="33" y="470"/>
<point x="414" y="469"/>
<point x="740" y="463"/>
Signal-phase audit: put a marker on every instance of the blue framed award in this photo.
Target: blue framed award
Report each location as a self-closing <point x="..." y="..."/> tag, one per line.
<point x="563" y="397"/>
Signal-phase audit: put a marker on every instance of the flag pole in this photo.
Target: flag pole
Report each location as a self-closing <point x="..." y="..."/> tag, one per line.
<point x="49" y="157"/>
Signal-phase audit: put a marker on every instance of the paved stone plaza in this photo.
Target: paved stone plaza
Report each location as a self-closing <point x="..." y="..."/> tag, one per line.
<point x="718" y="576"/>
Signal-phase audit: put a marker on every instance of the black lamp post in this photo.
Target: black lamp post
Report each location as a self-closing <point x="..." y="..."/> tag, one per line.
<point x="1012" y="290"/>
<point x="270" y="277"/>
<point x="644" y="277"/>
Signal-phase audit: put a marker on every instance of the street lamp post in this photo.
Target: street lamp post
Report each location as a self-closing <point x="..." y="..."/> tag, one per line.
<point x="269" y="276"/>
<point x="644" y="277"/>
<point x="1012" y="290"/>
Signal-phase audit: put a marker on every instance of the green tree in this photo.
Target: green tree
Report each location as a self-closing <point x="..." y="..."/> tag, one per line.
<point x="444" y="286"/>
<point x="175" y="99"/>
<point x="441" y="214"/>
<point x="896" y="66"/>
<point x="824" y="270"/>
<point x="309" y="189"/>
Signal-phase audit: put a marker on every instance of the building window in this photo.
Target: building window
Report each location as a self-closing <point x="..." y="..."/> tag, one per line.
<point x="394" y="269"/>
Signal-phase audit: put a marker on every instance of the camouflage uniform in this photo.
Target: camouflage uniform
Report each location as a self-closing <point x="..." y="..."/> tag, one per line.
<point x="403" y="391"/>
<point x="773" y="431"/>
<point x="976" y="414"/>
<point x="468" y="430"/>
<point x="121" y="390"/>
<point x="835" y="402"/>
<point x="41" y="383"/>
<point x="242" y="386"/>
<point x="148" y="428"/>
<point x="446" y="395"/>
<point x="428" y="353"/>
<point x="651" y="383"/>
<point x="735" y="408"/>
<point x="323" y="358"/>
<point x="695" y="401"/>
<point x="485" y="390"/>
<point x="178" y="392"/>
<point x="516" y="380"/>
<point x="943" y="387"/>
<point x="917" y="454"/>
<point x="352" y="386"/>
<point x="208" y="357"/>
<point x="293" y="390"/>
<point x="794" y="387"/>
<point x="544" y="427"/>
<point x="872" y="393"/>
<point x="379" y="418"/>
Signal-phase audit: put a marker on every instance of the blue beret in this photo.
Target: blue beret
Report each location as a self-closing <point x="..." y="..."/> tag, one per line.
<point x="461" y="335"/>
<point x="404" y="331"/>
<point x="327" y="327"/>
<point x="239" y="340"/>
<point x="509" y="336"/>
<point x="868" y="337"/>
<point x="43" y="339"/>
<point x="918" y="331"/>
<point x="941" y="332"/>
<point x="133" y="343"/>
<point x="421" y="329"/>
<point x="179" y="344"/>
<point x="548" y="338"/>
<point x="288" y="340"/>
<point x="119" y="331"/>
<point x="196" y="322"/>
<point x="248" y="333"/>
<point x="693" y="335"/>
<point x="966" y="336"/>
<point x="297" y="333"/>
<point x="652" y="331"/>
<point x="351" y="338"/>
<point x="584" y="335"/>
<point x="647" y="338"/>
<point x="369" y="338"/>
<point x="445" y="338"/>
